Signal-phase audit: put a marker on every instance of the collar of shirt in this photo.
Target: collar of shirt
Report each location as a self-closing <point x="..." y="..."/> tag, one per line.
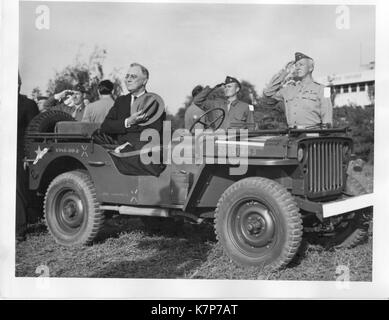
<point x="306" y="82"/>
<point x="78" y="107"/>
<point x="133" y="96"/>
<point x="232" y="103"/>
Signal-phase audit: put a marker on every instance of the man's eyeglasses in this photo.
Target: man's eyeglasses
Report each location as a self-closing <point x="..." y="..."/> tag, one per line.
<point x="132" y="76"/>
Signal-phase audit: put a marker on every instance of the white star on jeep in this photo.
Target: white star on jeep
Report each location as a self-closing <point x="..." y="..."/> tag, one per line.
<point x="39" y="154"/>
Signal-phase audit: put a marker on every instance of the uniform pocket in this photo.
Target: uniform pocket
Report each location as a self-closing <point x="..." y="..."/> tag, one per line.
<point x="240" y="117"/>
<point x="309" y="95"/>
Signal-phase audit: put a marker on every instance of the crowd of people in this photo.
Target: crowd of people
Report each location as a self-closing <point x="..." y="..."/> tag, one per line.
<point x="307" y="105"/>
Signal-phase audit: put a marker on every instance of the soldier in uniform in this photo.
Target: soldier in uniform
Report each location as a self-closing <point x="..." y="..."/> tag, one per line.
<point x="238" y="114"/>
<point x="77" y="109"/>
<point x="307" y="103"/>
<point x="194" y="112"/>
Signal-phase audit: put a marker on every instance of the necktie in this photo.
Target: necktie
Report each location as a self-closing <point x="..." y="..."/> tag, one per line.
<point x="133" y="98"/>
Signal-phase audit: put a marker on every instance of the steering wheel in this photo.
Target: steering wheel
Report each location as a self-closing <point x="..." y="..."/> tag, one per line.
<point x="208" y="125"/>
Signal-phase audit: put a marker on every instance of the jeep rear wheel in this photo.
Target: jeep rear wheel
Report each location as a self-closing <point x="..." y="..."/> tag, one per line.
<point x="72" y="212"/>
<point x="258" y="223"/>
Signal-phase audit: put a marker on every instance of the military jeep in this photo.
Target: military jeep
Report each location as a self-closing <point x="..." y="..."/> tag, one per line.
<point x="295" y="181"/>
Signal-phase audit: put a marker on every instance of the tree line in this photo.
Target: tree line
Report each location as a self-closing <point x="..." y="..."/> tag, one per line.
<point x="267" y="115"/>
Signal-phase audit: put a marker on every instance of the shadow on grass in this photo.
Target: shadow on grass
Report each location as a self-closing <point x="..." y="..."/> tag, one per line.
<point x="115" y="225"/>
<point x="163" y="258"/>
<point x="193" y="232"/>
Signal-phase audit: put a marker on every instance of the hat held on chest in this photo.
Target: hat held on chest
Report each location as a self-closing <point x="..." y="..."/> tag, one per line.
<point x="298" y="56"/>
<point x="231" y="80"/>
<point x="150" y="104"/>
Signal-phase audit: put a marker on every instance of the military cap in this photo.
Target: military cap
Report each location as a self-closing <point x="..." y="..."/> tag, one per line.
<point x="298" y="56"/>
<point x="231" y="80"/>
<point x="196" y="90"/>
<point x="150" y="104"/>
<point x="79" y="87"/>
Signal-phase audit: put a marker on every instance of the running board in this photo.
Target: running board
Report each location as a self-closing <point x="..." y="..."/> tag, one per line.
<point x="138" y="211"/>
<point x="151" y="212"/>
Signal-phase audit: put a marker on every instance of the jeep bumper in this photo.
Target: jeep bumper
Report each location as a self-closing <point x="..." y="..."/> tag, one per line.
<point x="332" y="208"/>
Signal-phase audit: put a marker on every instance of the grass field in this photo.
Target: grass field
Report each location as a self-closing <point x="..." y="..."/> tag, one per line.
<point x="126" y="249"/>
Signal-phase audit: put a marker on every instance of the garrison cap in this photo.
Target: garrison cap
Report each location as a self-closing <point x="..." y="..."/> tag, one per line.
<point x="196" y="90"/>
<point x="298" y="56"/>
<point x="231" y="80"/>
<point x="79" y="87"/>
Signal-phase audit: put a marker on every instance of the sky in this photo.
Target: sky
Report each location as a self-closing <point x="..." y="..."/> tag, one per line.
<point x="185" y="44"/>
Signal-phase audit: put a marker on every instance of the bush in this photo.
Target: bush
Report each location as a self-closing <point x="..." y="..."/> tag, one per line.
<point x="361" y="123"/>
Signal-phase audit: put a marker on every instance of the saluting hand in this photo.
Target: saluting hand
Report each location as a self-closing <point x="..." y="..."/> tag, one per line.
<point x="289" y="66"/>
<point x="63" y="94"/>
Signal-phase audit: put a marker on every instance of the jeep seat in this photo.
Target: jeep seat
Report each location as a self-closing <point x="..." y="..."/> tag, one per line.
<point x="75" y="127"/>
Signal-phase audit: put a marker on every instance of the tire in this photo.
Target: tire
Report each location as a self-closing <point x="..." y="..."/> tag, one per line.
<point x="356" y="224"/>
<point x="258" y="223"/>
<point x="72" y="213"/>
<point x="44" y="122"/>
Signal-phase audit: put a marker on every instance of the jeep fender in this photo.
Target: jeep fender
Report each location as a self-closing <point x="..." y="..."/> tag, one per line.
<point x="212" y="180"/>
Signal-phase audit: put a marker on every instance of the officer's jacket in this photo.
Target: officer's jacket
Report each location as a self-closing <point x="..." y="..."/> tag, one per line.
<point x="307" y="103"/>
<point x="239" y="114"/>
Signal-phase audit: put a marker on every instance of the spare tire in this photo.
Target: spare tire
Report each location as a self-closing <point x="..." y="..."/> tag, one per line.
<point x="44" y="123"/>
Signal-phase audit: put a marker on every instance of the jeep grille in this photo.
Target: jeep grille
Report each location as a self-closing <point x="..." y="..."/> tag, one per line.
<point x="325" y="167"/>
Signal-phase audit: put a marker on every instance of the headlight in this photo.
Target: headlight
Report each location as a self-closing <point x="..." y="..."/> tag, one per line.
<point x="300" y="154"/>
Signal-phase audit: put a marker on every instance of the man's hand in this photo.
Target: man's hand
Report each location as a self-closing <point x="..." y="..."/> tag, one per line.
<point x="63" y="94"/>
<point x="135" y="118"/>
<point x="289" y="67"/>
<point x="289" y="70"/>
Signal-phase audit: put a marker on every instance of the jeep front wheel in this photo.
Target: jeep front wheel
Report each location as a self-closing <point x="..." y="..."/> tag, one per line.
<point x="258" y="223"/>
<point x="72" y="212"/>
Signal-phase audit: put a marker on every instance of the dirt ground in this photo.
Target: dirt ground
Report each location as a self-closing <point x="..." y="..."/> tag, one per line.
<point x="127" y="249"/>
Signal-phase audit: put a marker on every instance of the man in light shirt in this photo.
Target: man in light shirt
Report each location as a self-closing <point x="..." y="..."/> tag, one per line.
<point x="97" y="111"/>
<point x="238" y="114"/>
<point x="60" y="101"/>
<point x="307" y="103"/>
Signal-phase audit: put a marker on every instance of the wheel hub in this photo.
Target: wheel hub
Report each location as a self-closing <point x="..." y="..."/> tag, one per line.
<point x="72" y="210"/>
<point x="254" y="225"/>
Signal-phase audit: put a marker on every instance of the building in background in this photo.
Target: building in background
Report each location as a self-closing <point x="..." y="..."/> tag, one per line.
<point x="352" y="89"/>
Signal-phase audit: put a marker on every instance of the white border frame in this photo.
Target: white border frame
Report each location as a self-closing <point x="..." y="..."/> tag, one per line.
<point x="26" y="288"/>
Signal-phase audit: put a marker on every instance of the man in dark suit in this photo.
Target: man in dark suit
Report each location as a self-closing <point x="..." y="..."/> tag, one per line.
<point x="27" y="109"/>
<point x="130" y="115"/>
<point x="123" y="120"/>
